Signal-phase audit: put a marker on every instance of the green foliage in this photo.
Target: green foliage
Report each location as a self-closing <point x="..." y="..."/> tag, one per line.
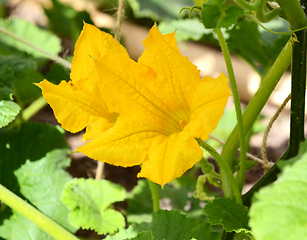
<point x="66" y="21"/>
<point x="42" y="183"/>
<point x="27" y="31"/>
<point x="8" y="112"/>
<point x="215" y="14"/>
<point x="224" y="211"/>
<point x="29" y="141"/>
<point x="259" y="48"/>
<point x="158" y="9"/>
<point x="175" y="225"/>
<point x="131" y="232"/>
<point x="18" y="227"/>
<point x="279" y="211"/>
<point x="89" y="204"/>
<point x="171" y="225"/>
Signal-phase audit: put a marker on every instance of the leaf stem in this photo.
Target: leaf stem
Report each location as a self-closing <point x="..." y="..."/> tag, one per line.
<point x="24" y="208"/>
<point x="33" y="108"/>
<point x="155" y="195"/>
<point x="235" y="93"/>
<point x="49" y="55"/>
<point x="224" y="166"/>
<point x="255" y="106"/>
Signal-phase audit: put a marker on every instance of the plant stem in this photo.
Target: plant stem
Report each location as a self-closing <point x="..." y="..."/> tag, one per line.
<point x="297" y="119"/>
<point x="294" y="13"/>
<point x="235" y="93"/>
<point x="298" y="88"/>
<point x="155" y="195"/>
<point x="49" y="55"/>
<point x="255" y="106"/>
<point x="33" y="108"/>
<point x="223" y="166"/>
<point x="45" y="223"/>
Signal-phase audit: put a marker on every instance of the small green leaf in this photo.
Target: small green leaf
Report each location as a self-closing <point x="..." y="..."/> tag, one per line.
<point x="224" y="211"/>
<point x="89" y="200"/>
<point x="31" y="33"/>
<point x="42" y="183"/>
<point x="279" y="210"/>
<point x="175" y="225"/>
<point x="145" y="235"/>
<point x="18" y="227"/>
<point x="8" y="112"/>
<point x="215" y="14"/>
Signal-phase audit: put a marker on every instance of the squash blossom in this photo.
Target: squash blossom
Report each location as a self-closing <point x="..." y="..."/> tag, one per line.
<point x="147" y="112"/>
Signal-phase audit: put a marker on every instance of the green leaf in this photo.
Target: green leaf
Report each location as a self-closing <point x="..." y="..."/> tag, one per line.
<point x="89" y="200"/>
<point x="175" y="225"/>
<point x="224" y="211"/>
<point x="215" y="14"/>
<point x="29" y="141"/>
<point x="279" y="210"/>
<point x="31" y="33"/>
<point x="18" y="227"/>
<point x="158" y="9"/>
<point x="145" y="235"/>
<point x="57" y="73"/>
<point x="8" y="112"/>
<point x="186" y="29"/>
<point x="42" y="183"/>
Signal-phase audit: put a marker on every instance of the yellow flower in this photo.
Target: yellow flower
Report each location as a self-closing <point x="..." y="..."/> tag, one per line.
<point x="160" y="104"/>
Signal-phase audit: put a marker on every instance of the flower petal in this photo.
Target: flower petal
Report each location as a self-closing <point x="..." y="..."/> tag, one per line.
<point x="126" y="144"/>
<point x="208" y="104"/>
<point x="73" y="108"/>
<point x="92" y="43"/>
<point x="125" y="91"/>
<point x="169" y="157"/>
<point x="177" y="77"/>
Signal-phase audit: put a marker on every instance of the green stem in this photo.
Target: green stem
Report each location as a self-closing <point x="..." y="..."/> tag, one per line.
<point x="294" y="13"/>
<point x="297" y="119"/>
<point x="255" y="106"/>
<point x="223" y="166"/>
<point x="155" y="195"/>
<point x="45" y="223"/>
<point x="236" y="97"/>
<point x="33" y="108"/>
<point x="49" y="55"/>
<point x="245" y="5"/>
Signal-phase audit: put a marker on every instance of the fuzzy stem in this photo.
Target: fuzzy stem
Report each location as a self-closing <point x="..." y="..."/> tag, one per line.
<point x="27" y="210"/>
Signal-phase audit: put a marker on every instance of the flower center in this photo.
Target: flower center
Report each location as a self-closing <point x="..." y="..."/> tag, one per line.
<point x="182" y="123"/>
